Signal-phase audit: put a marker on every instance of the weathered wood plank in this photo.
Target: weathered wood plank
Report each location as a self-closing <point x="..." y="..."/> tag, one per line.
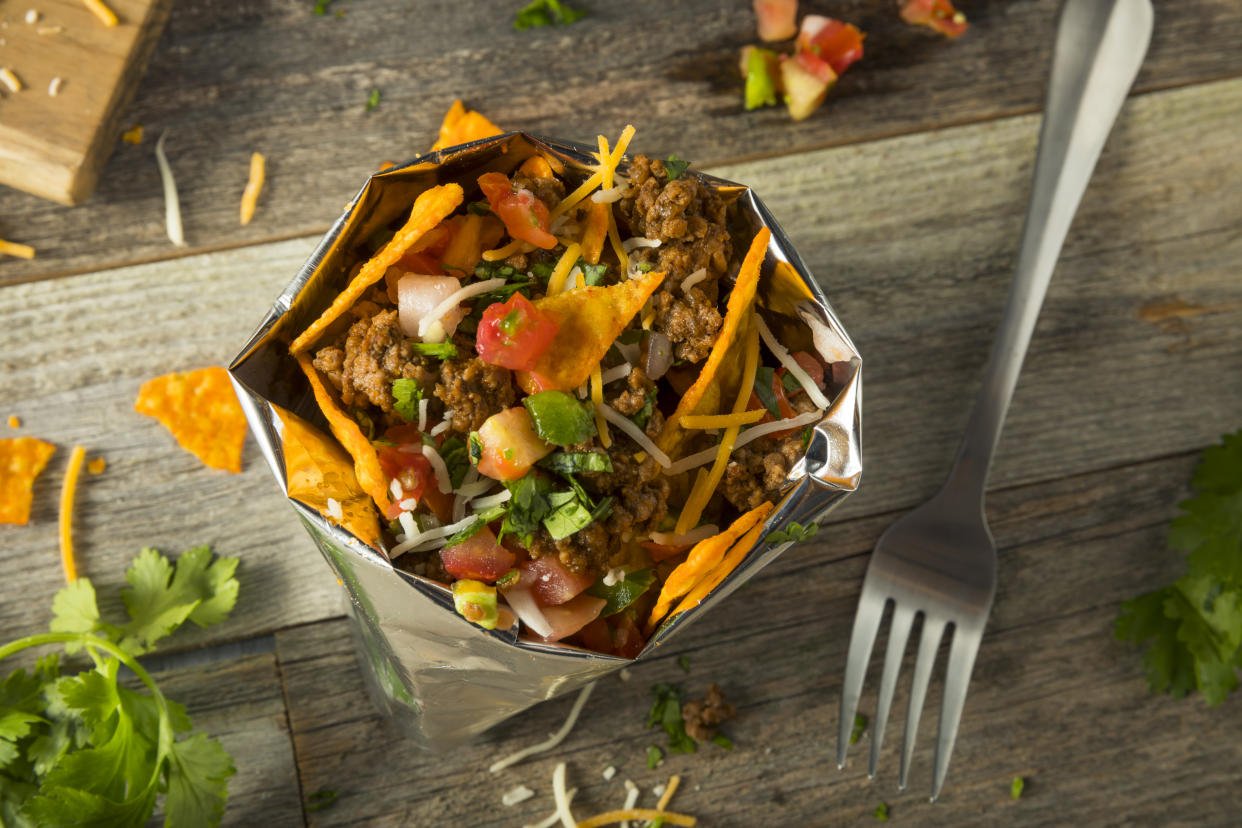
<point x="274" y="77"/>
<point x="917" y="261"/>
<point x="1053" y="699"/>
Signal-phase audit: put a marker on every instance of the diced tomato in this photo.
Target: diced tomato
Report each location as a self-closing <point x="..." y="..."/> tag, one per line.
<point x="776" y="18"/>
<point x="817" y="68"/>
<point x="510" y="445"/>
<point x="404" y="433"/>
<point x="525" y="216"/>
<point x="628" y="640"/>
<point x="479" y="557"/>
<point x="935" y="14"/>
<point x="835" y="43"/>
<point x="813" y="367"/>
<point x="514" y="334"/>
<point x="782" y="401"/>
<point x="597" y="636"/>
<point x="409" y="468"/>
<point x="420" y="262"/>
<point x="566" y="619"/>
<point x="550" y="582"/>
<point x="805" y="88"/>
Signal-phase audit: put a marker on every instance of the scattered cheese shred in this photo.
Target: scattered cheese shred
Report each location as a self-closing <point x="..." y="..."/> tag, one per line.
<point x="21" y="251"/>
<point x="782" y="353"/>
<point x="554" y="740"/>
<point x="562" y="801"/>
<point x="53" y="86"/>
<point x="14" y="421"/>
<point x="635" y="433"/>
<point x="748" y="436"/>
<point x="572" y="200"/>
<point x="105" y="14"/>
<point x="560" y="274"/>
<point x="515" y="246"/>
<point x="172" y="204"/>
<point x="453" y="300"/>
<point x="649" y="814"/>
<point x="67" y="561"/>
<point x="605" y="166"/>
<point x="97" y="465"/>
<point x="250" y="196"/>
<point x="443" y="482"/>
<point x="10" y="80"/>
<point x="597" y="397"/>
<point x="669" y="790"/>
<point x="133" y="135"/>
<point x="701" y="421"/>
<point x="614" y="239"/>
<point x="515" y="795"/>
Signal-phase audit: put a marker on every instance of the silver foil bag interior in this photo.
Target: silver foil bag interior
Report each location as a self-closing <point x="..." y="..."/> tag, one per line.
<point x="439" y="677"/>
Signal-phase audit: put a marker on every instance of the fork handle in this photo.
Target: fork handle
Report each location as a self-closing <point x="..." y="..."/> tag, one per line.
<point x="1099" y="47"/>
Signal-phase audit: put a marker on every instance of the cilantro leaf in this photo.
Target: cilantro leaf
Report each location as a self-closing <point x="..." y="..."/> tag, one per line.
<point x="373" y="99"/>
<point x="453" y="453"/>
<point x="1015" y="787"/>
<point x="623" y="593"/>
<point x="654" y="755"/>
<point x="666" y="712"/>
<point x="568" y="518"/>
<point x="860" y="725"/>
<point x="405" y="394"/>
<point x="793" y="533"/>
<point x="198" y="773"/>
<point x="567" y="462"/>
<point x="528" y="506"/>
<point x="675" y="167"/>
<point x="321" y="799"/>
<point x="763" y="390"/>
<point x="592" y="274"/>
<point x="546" y="13"/>
<point x="881" y="812"/>
<point x="163" y="597"/>
<point x="438" y="350"/>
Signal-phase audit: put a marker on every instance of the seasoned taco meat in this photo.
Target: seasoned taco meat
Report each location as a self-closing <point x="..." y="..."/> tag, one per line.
<point x="757" y="471"/>
<point x="473" y="390"/>
<point x="703" y="718"/>
<point x="374" y="353"/>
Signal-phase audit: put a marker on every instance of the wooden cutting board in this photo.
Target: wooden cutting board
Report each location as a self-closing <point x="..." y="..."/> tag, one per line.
<point x="54" y="146"/>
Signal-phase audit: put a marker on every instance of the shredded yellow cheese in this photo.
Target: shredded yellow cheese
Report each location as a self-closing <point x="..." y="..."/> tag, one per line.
<point x="597" y="397"/>
<point x="133" y="135"/>
<point x="615" y="240"/>
<point x="606" y="167"/>
<point x="627" y="814"/>
<point x="669" y="790"/>
<point x="66" y="514"/>
<point x="700" y="421"/>
<point x="21" y="251"/>
<point x="105" y="14"/>
<point x="515" y="246"/>
<point x="556" y="282"/>
<point x="10" y="80"/>
<point x="250" y="196"/>
<point x="623" y="144"/>
<point x="572" y="200"/>
<point x="705" y="486"/>
<point x="97" y="465"/>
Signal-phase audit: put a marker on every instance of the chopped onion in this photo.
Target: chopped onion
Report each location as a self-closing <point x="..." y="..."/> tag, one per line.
<point x="689" y="538"/>
<point x="475" y="487"/>
<point x="693" y="279"/>
<point x="439" y="428"/>
<point x="418" y="296"/>
<point x="418" y="539"/>
<point x="468" y="292"/>
<point x="658" y="352"/>
<point x="617" y="372"/>
<point x="782" y="353"/>
<point x="172" y="205"/>
<point x="407" y="523"/>
<point x="523" y="603"/>
<point x="636" y="434"/>
<point x="395" y="488"/>
<point x="749" y="435"/>
<point x="515" y="795"/>
<point x="632" y="244"/>
<point x="484" y="503"/>
<point x="409" y="504"/>
<point x="422" y="414"/>
<point x="630" y="352"/>
<point x="443" y="482"/>
<point x="334" y="508"/>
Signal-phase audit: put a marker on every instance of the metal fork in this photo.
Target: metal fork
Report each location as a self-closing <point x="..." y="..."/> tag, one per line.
<point x="939" y="561"/>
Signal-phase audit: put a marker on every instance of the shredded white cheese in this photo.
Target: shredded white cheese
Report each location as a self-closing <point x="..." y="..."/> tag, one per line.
<point x="555" y="816"/>
<point x="611" y="194"/>
<point x="515" y="795"/>
<point x="443" y="482"/>
<point x="422" y="414"/>
<point x="10" y="80"/>
<point x="452" y="301"/>
<point x="635" y="433"/>
<point x="437" y="534"/>
<point x="614" y="576"/>
<point x="334" y="508"/>
<point x="749" y="435"/>
<point x="689" y="538"/>
<point x="407" y="524"/>
<point x="32" y="16"/>
<point x="395" y="489"/>
<point x="475" y="487"/>
<point x="53" y="88"/>
<point x="693" y="279"/>
<point x="632" y="244"/>
<point x="484" y="503"/>
<point x="616" y="372"/>
<point x="172" y="205"/>
<point x="782" y="353"/>
<point x="439" y="428"/>
<point x="562" y="801"/>
<point x="609" y="773"/>
<point x="555" y="739"/>
<point x="631" y="799"/>
<point x="658" y="791"/>
<point x="409" y="504"/>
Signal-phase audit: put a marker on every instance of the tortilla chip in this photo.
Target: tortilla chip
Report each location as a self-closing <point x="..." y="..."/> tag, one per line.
<point x="430" y="208"/>
<point x="702" y="559"/>
<point x="590" y="319"/>
<point x="318" y="470"/>
<point x="722" y="372"/>
<point x="717" y="575"/>
<point x="461" y="126"/>
<point x="201" y="410"/>
<point x="367" y="469"/>
<point x="785" y="290"/>
<point x="21" y="460"/>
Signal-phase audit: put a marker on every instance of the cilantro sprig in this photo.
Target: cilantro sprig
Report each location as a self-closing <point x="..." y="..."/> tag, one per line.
<point x="793" y="533"/>
<point x="546" y="13"/>
<point x="84" y="749"/>
<point x="1194" y="625"/>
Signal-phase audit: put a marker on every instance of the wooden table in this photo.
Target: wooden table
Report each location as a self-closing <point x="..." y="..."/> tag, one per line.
<point x="905" y="194"/>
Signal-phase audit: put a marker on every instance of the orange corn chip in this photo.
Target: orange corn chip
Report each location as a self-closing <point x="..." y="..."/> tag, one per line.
<point x="725" y="359"/>
<point x="367" y="469"/>
<point x="202" y="412"/>
<point x="318" y="471"/>
<point x="596" y="231"/>
<point x="21" y="460"/>
<point x="430" y="208"/>
<point x="702" y="559"/>
<point x="714" y="578"/>
<point x="589" y="320"/>
<point x="97" y="466"/>
<point x="462" y="126"/>
<point x="15" y="421"/>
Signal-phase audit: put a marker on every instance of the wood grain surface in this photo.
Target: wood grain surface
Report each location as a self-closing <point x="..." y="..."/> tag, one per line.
<point x="273" y="77"/>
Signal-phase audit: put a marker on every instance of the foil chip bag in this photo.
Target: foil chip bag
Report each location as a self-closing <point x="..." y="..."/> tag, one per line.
<point x="540" y="407"/>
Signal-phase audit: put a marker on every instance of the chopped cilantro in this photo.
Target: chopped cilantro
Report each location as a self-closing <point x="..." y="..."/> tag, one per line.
<point x="658" y="822"/>
<point x="321" y="6"/>
<point x="860" y="725"/>
<point x="494" y="270"/>
<point x="1195" y="624"/>
<point x="559" y="418"/>
<point x="644" y="414"/>
<point x="654" y="755"/>
<point x="528" y="506"/>
<point x="592" y="274"/>
<point x="1015" y="787"/>
<point x="570" y="462"/>
<point x="481" y="519"/>
<point x="806" y="436"/>
<point x="763" y="390"/>
<point x="793" y="533"/>
<point x="405" y="394"/>
<point x="881" y="812"/>
<point x="675" y="167"/>
<point x="373" y="99"/>
<point x="546" y="13"/>
<point x="683" y="662"/>
<point x="479" y="208"/>
<point x="723" y="741"/>
<point x="508" y="579"/>
<point x="453" y="453"/>
<point x="320" y="799"/>
<point x="644" y="267"/>
<point x="666" y="712"/>
<point x="623" y="593"/>
<point x="569" y="516"/>
<point x="474" y="448"/>
<point x="542" y="270"/>
<point x="438" y="350"/>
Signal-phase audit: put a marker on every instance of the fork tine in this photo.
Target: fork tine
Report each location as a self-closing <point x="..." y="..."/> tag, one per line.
<point x="933" y="631"/>
<point x="862" y="640"/>
<point x="898" y="635"/>
<point x="957" y="679"/>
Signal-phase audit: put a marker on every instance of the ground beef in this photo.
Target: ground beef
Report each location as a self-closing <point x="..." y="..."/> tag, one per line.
<point x="548" y="190"/>
<point x="631" y="400"/>
<point x="473" y="390"/>
<point x="704" y="717"/>
<point x="689" y="220"/>
<point x="757" y="471"/>
<point x="374" y="353"/>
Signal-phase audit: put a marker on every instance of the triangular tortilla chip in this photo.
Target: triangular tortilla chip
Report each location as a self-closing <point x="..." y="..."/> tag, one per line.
<point x="461" y="126"/>
<point x="366" y="461"/>
<point x="589" y="320"/>
<point x="430" y="208"/>
<point x="21" y="460"/>
<point x="201" y="410"/>
<point x="318" y="470"/>
<point x="721" y="571"/>
<point x="702" y="559"/>
<point x="722" y="372"/>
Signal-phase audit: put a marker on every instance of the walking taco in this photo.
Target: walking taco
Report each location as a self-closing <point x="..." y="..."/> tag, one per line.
<point x="580" y="396"/>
